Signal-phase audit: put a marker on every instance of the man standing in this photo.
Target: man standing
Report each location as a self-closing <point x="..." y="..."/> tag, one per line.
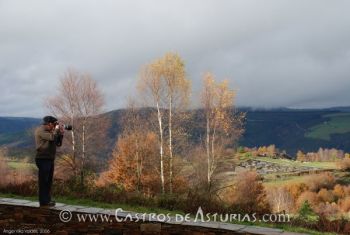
<point x="47" y="137"/>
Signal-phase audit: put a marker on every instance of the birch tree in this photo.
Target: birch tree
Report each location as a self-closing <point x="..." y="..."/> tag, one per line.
<point x="79" y="102"/>
<point x="90" y="103"/>
<point x="280" y="199"/>
<point x="177" y="91"/>
<point x="165" y="82"/>
<point x="222" y="125"/>
<point x="151" y="87"/>
<point x="64" y="105"/>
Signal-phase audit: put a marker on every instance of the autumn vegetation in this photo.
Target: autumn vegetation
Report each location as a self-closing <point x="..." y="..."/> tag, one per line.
<point x="155" y="161"/>
<point x="11" y="176"/>
<point x="79" y="101"/>
<point x="322" y="155"/>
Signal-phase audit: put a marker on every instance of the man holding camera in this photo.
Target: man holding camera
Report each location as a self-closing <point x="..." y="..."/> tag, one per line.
<point x="47" y="137"/>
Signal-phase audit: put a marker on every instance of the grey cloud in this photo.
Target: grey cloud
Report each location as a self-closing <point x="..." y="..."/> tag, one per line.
<point x="275" y="53"/>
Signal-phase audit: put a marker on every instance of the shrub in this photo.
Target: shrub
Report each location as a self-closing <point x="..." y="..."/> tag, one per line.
<point x="13" y="177"/>
<point x="338" y="226"/>
<point x="344" y="204"/>
<point x="319" y="181"/>
<point x="311" y="197"/>
<point x="306" y="213"/>
<point x="28" y="188"/>
<point x="201" y="198"/>
<point x="296" y="190"/>
<point x="329" y="210"/>
<point x="338" y="192"/>
<point x="170" y="202"/>
<point x="325" y="195"/>
<point x="4" y="169"/>
<point x="249" y="194"/>
<point x="110" y="193"/>
<point x="346" y="190"/>
<point x="344" y="164"/>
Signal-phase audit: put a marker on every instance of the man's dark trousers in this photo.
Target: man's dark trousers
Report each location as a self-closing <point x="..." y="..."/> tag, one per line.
<point x="46" y="169"/>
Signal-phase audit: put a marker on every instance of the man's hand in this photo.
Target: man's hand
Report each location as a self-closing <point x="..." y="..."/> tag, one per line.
<point x="61" y="129"/>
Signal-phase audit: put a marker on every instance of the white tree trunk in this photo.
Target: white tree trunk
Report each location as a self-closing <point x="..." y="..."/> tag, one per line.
<point x="138" y="166"/>
<point x="161" y="149"/>
<point x="208" y="150"/>
<point x="73" y="145"/>
<point x="170" y="148"/>
<point x="83" y="153"/>
<point x="212" y="157"/>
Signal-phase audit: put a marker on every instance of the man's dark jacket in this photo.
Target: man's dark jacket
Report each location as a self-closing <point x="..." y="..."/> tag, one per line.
<point x="46" y="143"/>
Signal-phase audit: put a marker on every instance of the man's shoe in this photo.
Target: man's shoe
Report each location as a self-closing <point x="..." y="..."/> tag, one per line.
<point x="52" y="203"/>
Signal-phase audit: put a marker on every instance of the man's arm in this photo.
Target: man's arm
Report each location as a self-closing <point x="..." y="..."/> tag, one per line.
<point x="58" y="140"/>
<point x="59" y="136"/>
<point x="45" y="135"/>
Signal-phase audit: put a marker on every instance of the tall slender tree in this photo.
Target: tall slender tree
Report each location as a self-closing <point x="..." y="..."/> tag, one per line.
<point x="151" y="88"/>
<point x="63" y="105"/>
<point x="223" y="124"/>
<point x="177" y="91"/>
<point x="79" y="101"/>
<point x="165" y="82"/>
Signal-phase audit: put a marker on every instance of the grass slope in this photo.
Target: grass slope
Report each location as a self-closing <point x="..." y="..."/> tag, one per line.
<point x="17" y="165"/>
<point x="287" y="162"/>
<point x="337" y="124"/>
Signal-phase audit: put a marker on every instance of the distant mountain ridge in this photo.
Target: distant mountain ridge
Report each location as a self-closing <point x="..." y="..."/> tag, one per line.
<point x="17" y="124"/>
<point x="288" y="129"/>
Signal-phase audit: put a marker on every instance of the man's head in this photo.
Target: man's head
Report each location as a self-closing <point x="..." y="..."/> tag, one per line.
<point x="50" y="122"/>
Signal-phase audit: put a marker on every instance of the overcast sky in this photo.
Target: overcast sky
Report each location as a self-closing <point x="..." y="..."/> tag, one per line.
<point x="275" y="53"/>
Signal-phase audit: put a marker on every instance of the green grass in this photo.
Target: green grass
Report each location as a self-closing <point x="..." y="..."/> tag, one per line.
<point x="322" y="165"/>
<point x="338" y="124"/>
<point x="91" y="203"/>
<point x="21" y="165"/>
<point x="286" y="180"/>
<point x="271" y="179"/>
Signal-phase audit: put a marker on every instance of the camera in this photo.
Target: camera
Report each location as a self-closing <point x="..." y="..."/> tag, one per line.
<point x="59" y="136"/>
<point x="66" y="127"/>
